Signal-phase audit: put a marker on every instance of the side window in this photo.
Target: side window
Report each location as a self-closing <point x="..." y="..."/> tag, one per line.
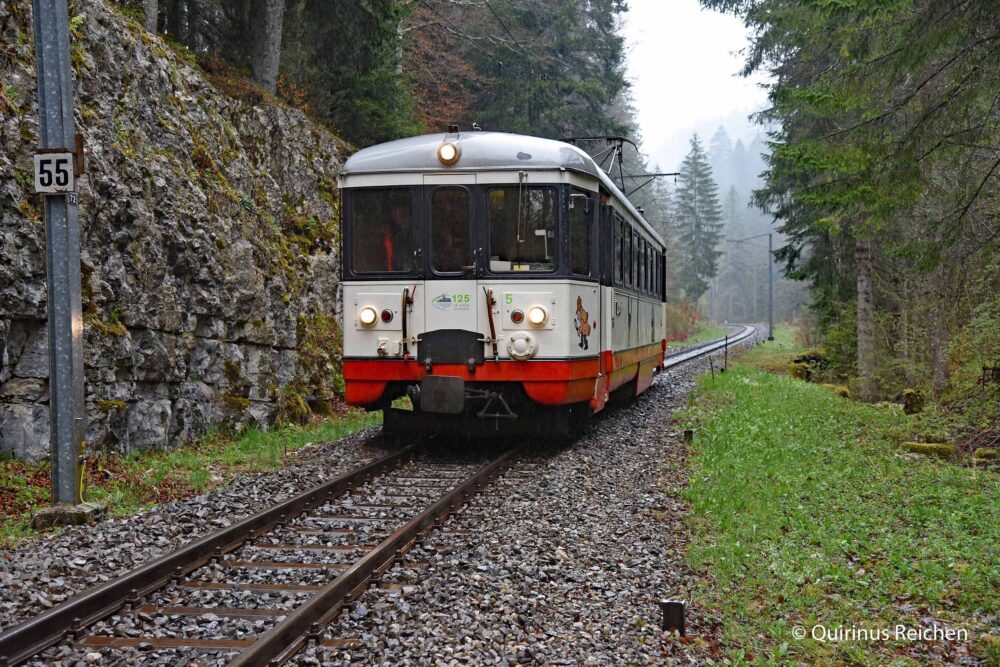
<point x="619" y="251"/>
<point x="635" y="260"/>
<point x="642" y="265"/>
<point x="450" y="230"/>
<point x="628" y="255"/>
<point x="659" y="274"/>
<point x="650" y="271"/>
<point x="382" y="230"/>
<point x="581" y="229"/>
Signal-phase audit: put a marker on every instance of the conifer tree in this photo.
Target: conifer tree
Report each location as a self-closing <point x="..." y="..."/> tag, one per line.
<point x="698" y="217"/>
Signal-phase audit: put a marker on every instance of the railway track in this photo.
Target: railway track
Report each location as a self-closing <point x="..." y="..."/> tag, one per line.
<point x="742" y="333"/>
<point x="268" y="585"/>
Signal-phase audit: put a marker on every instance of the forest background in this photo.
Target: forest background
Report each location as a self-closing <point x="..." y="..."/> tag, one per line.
<point x="875" y="164"/>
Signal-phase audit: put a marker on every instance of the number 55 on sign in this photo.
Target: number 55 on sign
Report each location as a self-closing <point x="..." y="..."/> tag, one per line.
<point x="54" y="173"/>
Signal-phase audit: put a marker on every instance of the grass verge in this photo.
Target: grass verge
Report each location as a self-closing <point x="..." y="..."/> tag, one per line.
<point x="806" y="511"/>
<point x="132" y="482"/>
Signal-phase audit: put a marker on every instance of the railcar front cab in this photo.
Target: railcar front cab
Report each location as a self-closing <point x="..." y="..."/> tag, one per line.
<point x="472" y="283"/>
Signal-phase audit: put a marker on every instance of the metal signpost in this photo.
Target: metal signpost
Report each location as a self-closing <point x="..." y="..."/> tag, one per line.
<point x="57" y="164"/>
<point x="770" y="278"/>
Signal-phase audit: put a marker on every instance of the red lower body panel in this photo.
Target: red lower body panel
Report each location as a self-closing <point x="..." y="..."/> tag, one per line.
<point x="545" y="382"/>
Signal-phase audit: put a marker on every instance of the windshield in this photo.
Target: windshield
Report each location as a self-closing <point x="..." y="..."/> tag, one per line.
<point x="522" y="224"/>
<point x="382" y="230"/>
<point x="450" y="230"/>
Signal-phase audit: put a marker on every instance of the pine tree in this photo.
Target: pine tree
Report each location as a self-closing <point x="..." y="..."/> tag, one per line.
<point x="699" y="222"/>
<point x="720" y="157"/>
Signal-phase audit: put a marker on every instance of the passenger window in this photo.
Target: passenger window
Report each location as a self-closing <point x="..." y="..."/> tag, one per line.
<point x="619" y="251"/>
<point x="642" y="265"/>
<point x="522" y="224"/>
<point x="581" y="216"/>
<point x="450" y="230"/>
<point x="635" y="260"/>
<point x="382" y="230"/>
<point x="628" y="257"/>
<point x="649" y="269"/>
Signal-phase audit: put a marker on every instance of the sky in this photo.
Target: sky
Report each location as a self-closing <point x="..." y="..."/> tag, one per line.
<point x="683" y="65"/>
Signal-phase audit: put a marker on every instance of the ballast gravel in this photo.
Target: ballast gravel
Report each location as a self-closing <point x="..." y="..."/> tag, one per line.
<point x="561" y="561"/>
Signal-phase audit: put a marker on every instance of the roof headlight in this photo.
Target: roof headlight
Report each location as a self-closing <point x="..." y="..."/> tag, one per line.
<point x="367" y="316"/>
<point x="448" y="153"/>
<point x="537" y="316"/>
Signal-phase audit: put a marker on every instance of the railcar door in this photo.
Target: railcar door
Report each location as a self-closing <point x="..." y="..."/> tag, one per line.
<point x="452" y="301"/>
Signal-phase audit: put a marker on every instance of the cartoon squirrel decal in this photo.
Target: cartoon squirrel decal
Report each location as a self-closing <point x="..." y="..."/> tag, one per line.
<point x="583" y="327"/>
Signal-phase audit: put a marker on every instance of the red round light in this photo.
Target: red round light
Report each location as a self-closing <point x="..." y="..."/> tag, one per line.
<point x="387" y="316"/>
<point x="517" y="316"/>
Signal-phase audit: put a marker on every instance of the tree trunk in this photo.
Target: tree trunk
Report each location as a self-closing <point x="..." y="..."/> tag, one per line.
<point x="938" y="334"/>
<point x="866" y="321"/>
<point x="151" y="9"/>
<point x="176" y="20"/>
<point x="266" y="22"/>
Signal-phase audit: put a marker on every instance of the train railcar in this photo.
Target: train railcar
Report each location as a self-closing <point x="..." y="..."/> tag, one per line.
<point x="503" y="283"/>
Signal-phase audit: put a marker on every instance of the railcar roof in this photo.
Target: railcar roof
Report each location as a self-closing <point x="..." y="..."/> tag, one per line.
<point x="484" y="151"/>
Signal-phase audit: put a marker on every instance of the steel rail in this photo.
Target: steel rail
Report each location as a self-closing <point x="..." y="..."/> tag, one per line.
<point x="675" y="360"/>
<point x="36" y="634"/>
<point x="304" y="624"/>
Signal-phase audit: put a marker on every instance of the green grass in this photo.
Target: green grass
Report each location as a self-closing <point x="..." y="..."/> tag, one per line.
<point x="703" y="336"/>
<point x="805" y="512"/>
<point x="128" y="484"/>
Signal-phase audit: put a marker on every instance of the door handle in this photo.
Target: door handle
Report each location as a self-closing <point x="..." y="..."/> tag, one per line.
<point x="475" y="262"/>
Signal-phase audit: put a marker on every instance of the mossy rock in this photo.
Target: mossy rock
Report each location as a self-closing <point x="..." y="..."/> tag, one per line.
<point x="813" y="356"/>
<point x="800" y="370"/>
<point x="940" y="449"/>
<point x="111" y="406"/>
<point x="987" y="453"/>
<point x="236" y="403"/>
<point x="912" y="400"/>
<point x="232" y="371"/>
<point x="116" y="329"/>
<point x="839" y="390"/>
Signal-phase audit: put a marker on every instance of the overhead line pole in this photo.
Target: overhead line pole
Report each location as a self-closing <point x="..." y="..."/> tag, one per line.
<point x="770" y="278"/>
<point x="62" y="236"/>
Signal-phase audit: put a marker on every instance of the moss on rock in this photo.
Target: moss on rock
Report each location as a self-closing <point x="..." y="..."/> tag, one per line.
<point x="939" y="449"/>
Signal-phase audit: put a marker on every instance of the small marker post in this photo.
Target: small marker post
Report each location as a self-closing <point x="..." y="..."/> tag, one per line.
<point x="673" y="616"/>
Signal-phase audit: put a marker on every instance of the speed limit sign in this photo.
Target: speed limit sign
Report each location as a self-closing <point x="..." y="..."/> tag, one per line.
<point x="54" y="173"/>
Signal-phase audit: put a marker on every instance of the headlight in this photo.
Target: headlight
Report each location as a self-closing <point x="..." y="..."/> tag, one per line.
<point x="448" y="153"/>
<point x="537" y="316"/>
<point x="367" y="316"/>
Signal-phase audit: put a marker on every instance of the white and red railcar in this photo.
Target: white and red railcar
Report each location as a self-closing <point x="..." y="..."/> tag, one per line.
<point x="502" y="282"/>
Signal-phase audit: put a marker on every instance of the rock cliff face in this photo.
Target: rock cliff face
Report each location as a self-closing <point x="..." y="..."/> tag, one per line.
<point x="209" y="234"/>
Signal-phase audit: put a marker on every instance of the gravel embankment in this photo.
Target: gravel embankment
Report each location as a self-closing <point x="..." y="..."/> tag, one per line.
<point x="47" y="571"/>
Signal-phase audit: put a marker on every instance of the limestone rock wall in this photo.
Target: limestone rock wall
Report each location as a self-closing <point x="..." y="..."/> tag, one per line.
<point x="209" y="244"/>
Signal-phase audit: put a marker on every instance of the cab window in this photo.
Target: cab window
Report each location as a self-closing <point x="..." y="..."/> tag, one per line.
<point x="522" y="222"/>
<point x="450" y="230"/>
<point x="581" y="216"/>
<point x="382" y="230"/>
